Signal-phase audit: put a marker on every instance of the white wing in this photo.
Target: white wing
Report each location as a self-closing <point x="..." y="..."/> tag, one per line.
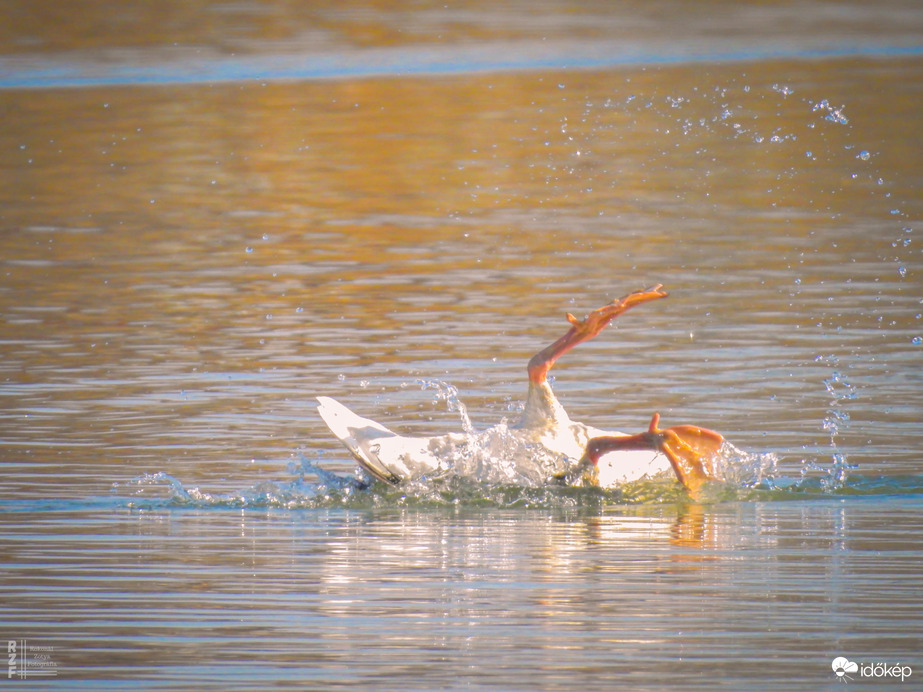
<point x="384" y="454"/>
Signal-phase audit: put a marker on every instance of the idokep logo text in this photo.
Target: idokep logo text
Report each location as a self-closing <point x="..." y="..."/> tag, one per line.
<point x="848" y="671"/>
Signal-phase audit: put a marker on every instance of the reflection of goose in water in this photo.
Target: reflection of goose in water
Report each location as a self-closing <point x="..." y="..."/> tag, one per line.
<point x="545" y="445"/>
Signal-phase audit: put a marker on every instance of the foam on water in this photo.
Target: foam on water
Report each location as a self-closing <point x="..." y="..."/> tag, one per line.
<point x="314" y="488"/>
<point x="497" y="468"/>
<point x="484" y="473"/>
<point x="449" y="393"/>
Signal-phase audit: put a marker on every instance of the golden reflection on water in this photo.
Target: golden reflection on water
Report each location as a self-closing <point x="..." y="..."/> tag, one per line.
<point x="183" y="268"/>
<point x="340" y="594"/>
<point x="375" y="225"/>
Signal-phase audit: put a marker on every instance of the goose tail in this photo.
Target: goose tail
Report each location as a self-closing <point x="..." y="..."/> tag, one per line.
<point x="361" y="436"/>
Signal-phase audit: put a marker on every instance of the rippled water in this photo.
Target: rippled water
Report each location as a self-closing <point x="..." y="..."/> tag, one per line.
<point x="187" y="259"/>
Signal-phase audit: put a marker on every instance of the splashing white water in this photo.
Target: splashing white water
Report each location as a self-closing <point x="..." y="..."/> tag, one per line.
<point x="840" y="390"/>
<point x="500" y="456"/>
<point x="449" y="394"/>
<point x="744" y="469"/>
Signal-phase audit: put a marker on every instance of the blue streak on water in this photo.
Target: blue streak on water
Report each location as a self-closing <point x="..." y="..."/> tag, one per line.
<point x="313" y="487"/>
<point x="43" y="72"/>
<point x="160" y="491"/>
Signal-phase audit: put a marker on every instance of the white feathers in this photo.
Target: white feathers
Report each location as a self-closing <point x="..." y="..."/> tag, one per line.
<point x="616" y="468"/>
<point x="502" y="454"/>
<point x="384" y="454"/>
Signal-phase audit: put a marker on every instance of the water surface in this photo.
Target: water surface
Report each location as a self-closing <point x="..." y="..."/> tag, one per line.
<point x="187" y="259"/>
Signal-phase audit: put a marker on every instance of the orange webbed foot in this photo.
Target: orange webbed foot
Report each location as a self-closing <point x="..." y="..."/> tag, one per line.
<point x="586" y="329"/>
<point x="690" y="450"/>
<point x="597" y="320"/>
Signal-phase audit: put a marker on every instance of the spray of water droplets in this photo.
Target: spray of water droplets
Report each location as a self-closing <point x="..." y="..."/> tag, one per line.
<point x="839" y="390"/>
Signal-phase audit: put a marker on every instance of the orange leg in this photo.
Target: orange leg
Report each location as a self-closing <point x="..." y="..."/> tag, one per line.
<point x="585" y="330"/>
<point x="689" y="448"/>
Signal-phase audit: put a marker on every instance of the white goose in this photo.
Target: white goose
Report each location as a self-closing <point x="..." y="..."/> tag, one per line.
<point x="545" y="445"/>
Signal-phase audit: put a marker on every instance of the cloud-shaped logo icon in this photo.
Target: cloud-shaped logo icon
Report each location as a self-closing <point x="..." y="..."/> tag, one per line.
<point x="842" y="665"/>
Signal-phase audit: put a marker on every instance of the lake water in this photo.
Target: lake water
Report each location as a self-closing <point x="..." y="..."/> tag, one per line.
<point x="213" y="214"/>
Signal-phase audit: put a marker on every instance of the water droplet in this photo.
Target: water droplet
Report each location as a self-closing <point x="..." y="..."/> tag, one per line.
<point x="864" y="155"/>
<point x="341" y="377"/>
<point x="249" y="249"/>
<point x="917" y="341"/>
<point x="902" y="271"/>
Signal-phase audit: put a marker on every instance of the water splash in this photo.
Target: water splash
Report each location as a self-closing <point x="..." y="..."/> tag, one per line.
<point x="830" y="113"/>
<point x="840" y="390"/>
<point x="499" y="456"/>
<point x="750" y="477"/>
<point x="315" y="488"/>
<point x="744" y="469"/>
<point x="449" y="394"/>
<point x="312" y="486"/>
<point x="496" y="468"/>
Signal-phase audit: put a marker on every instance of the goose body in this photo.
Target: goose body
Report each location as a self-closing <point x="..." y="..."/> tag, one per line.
<point x="516" y="454"/>
<point x="544" y="446"/>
